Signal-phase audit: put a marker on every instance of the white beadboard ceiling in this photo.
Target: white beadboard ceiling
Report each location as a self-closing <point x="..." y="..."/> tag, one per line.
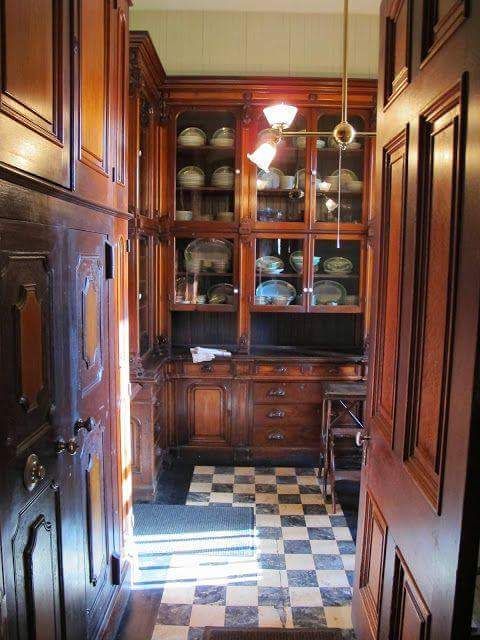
<point x="277" y="6"/>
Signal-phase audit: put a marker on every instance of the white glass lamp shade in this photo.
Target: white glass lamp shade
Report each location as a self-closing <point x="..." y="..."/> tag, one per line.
<point x="280" y="115"/>
<point x="263" y="155"/>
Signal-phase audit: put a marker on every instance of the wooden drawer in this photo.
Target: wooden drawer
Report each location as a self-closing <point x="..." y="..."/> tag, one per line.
<point x="287" y="392"/>
<point x="271" y="415"/>
<point x="325" y="371"/>
<point x="298" y="435"/>
<point x="207" y="369"/>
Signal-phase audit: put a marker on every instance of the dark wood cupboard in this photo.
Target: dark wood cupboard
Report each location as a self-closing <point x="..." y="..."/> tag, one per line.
<point x="195" y="191"/>
<point x="63" y="231"/>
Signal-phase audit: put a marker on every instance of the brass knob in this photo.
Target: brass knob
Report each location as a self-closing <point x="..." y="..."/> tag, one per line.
<point x="276" y="413"/>
<point x="282" y="369"/>
<point x="34" y="472"/>
<point x="88" y="424"/>
<point x="276" y="435"/>
<point x="207" y="367"/>
<point x="277" y="393"/>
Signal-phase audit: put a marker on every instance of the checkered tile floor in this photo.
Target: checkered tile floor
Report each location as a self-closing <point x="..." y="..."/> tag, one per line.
<point x="300" y="576"/>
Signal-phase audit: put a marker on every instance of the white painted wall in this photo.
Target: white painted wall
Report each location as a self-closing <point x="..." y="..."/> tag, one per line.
<point x="255" y="43"/>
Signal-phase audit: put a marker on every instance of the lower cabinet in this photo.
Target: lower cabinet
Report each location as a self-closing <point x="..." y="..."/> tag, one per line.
<point x="249" y="411"/>
<point x="204" y="409"/>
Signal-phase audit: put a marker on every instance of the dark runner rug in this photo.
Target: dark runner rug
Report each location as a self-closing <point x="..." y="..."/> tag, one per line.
<point x="217" y="633"/>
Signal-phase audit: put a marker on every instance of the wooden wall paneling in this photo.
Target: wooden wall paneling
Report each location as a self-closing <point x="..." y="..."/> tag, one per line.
<point x="397" y="49"/>
<point x="441" y="171"/>
<point x="35" y="89"/>
<point x="393" y="214"/>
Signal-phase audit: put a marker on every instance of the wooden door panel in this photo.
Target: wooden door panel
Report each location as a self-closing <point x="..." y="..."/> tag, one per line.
<point x="398" y="48"/>
<point x="372" y="564"/>
<point x="28" y="297"/>
<point x="440" y="20"/>
<point x="208" y="407"/>
<point x="90" y="304"/>
<point x="37" y="560"/>
<point x="34" y="91"/>
<point x="441" y="166"/>
<point x="394" y="178"/>
<point x="410" y="615"/>
<point x="93" y="164"/>
<point x="120" y="36"/>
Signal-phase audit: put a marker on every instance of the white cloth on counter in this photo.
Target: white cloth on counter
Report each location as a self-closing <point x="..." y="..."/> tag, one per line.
<point x="204" y="354"/>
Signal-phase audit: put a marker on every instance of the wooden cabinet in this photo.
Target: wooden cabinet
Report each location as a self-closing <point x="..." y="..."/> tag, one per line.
<point x="146" y="257"/>
<point x="64" y="495"/>
<point x="35" y="126"/>
<point x="205" y="417"/>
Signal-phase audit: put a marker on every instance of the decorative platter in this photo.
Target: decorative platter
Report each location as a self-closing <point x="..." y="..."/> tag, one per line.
<point x="270" y="264"/>
<point x="221" y="293"/>
<point x="338" y="265"/>
<point x="274" y="290"/>
<point x="328" y="292"/>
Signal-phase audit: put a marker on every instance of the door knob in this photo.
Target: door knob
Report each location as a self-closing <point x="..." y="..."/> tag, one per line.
<point x="360" y="438"/>
<point x="88" y="424"/>
<point x="70" y="446"/>
<point x="34" y="472"/>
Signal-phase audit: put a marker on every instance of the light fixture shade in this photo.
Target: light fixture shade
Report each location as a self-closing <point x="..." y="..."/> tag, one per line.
<point x="280" y="115"/>
<point x="263" y="155"/>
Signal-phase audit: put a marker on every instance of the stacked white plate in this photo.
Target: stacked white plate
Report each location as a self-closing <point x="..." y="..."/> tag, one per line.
<point x="223" y="137"/>
<point x="192" y="137"/>
<point x="191" y="177"/>
<point x="223" y="177"/>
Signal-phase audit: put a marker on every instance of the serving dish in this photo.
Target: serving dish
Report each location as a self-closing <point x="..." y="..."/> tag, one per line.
<point x="300" y="142"/>
<point x="223" y="137"/>
<point x="328" y="292"/>
<point x="192" y="137"/>
<point x="222" y="293"/>
<point x="337" y="265"/>
<point x="277" y="292"/>
<point x="183" y="216"/>
<point x="269" y="179"/>
<point x="270" y="264"/>
<point x="208" y="254"/>
<point x="270" y="215"/>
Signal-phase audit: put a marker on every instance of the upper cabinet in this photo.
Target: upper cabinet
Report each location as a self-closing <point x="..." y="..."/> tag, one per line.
<point x="35" y="89"/>
<point x="206" y="173"/>
<point x="63" y="116"/>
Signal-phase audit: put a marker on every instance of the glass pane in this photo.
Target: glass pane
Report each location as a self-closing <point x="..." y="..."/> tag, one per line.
<point x="204" y="271"/>
<point x="336" y="273"/>
<point x="278" y="271"/>
<point x="327" y="182"/>
<point x="205" y="167"/>
<point x="143" y="300"/>
<point x="281" y="190"/>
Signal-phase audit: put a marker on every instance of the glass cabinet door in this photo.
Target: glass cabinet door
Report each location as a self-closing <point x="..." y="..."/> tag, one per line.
<point x="336" y="275"/>
<point x="143" y="294"/>
<point x="279" y="274"/>
<point x="205" y="167"/>
<point x="327" y="180"/>
<point x="281" y="194"/>
<point x="204" y="274"/>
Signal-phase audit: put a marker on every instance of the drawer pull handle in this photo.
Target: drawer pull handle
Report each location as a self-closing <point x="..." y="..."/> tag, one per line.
<point x="277" y="393"/>
<point x="282" y="369"/>
<point x="334" y="371"/>
<point x="276" y="413"/>
<point x="207" y="368"/>
<point x="276" y="435"/>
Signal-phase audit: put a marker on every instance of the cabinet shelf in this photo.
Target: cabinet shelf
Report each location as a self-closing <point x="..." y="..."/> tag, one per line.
<point x="206" y="189"/>
<point x="206" y="148"/>
<point x="274" y="276"/>
<point x="207" y="274"/>
<point x="204" y="308"/>
<point x="331" y="151"/>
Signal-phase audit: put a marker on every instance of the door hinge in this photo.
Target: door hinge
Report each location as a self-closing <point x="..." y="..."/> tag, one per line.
<point x="109" y="266"/>
<point x="128" y="246"/>
<point x="113" y="174"/>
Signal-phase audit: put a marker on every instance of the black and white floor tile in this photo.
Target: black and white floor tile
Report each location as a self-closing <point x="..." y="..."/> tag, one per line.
<point x="301" y="574"/>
